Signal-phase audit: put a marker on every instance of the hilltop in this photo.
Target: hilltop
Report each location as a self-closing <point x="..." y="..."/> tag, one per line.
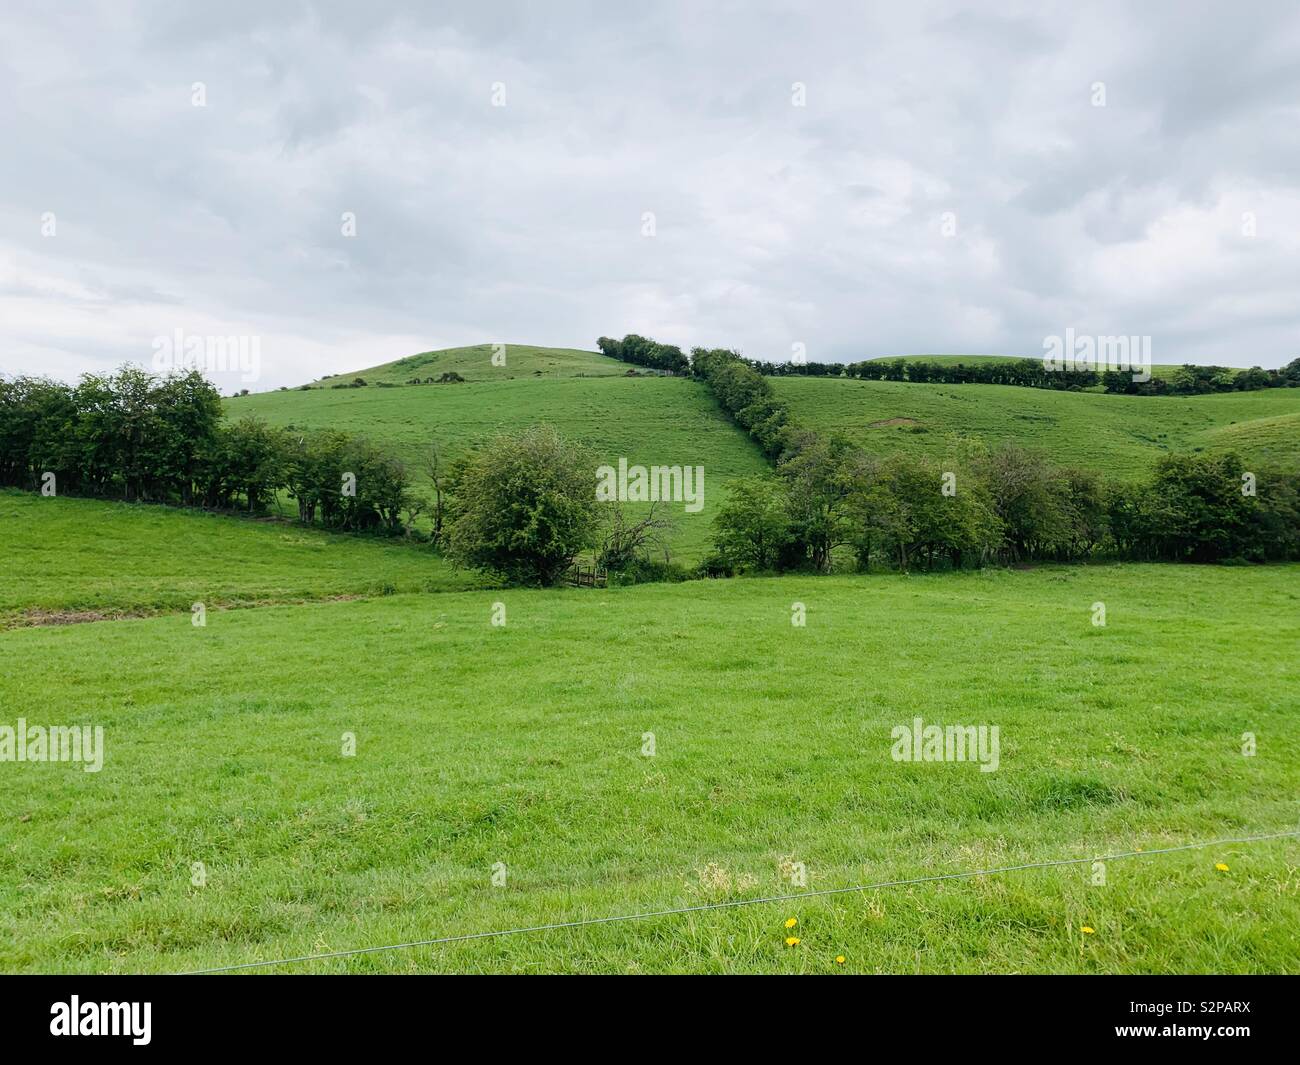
<point x="476" y="363"/>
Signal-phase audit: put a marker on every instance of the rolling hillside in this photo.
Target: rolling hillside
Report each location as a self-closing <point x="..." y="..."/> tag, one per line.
<point x="1273" y="441"/>
<point x="1117" y="435"/>
<point x="475" y="363"/>
<point x="673" y="421"/>
<point x="649" y="420"/>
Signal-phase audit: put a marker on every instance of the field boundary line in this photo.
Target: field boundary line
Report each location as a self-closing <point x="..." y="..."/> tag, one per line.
<point x="734" y="903"/>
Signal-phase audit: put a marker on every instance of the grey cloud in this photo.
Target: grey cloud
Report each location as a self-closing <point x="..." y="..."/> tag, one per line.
<point x="775" y="223"/>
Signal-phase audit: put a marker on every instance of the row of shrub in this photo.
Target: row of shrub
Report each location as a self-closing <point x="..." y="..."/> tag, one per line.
<point x="523" y="506"/>
<point x="136" y="436"/>
<point x="1186" y="380"/>
<point x="1000" y="505"/>
<point x="745" y="395"/>
<point x="1003" y="504"/>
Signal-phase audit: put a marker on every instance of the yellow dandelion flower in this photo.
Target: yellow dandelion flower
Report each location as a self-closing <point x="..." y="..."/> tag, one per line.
<point x="1221" y="867"/>
<point x="792" y="942"/>
<point x="839" y="959"/>
<point x="791" y="922"/>
<point x="1087" y="931"/>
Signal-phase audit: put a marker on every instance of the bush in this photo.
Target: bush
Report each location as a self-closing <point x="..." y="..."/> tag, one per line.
<point x="751" y="530"/>
<point x="1192" y="510"/>
<point x="525" y="507"/>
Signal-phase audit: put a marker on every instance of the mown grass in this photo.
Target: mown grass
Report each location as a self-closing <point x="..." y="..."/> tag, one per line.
<point x="1121" y="436"/>
<point x="523" y="745"/>
<point x="71" y="556"/>
<point x="648" y="420"/>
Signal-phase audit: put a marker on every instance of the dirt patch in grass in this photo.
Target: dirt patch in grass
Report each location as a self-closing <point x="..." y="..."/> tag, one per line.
<point x="887" y="422"/>
<point x="70" y="617"/>
<point x="35" y="618"/>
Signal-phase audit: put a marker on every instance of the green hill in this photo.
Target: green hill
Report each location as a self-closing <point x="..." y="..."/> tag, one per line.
<point x="475" y="363"/>
<point x="1270" y="441"/>
<point x="649" y="420"/>
<point x="1117" y="435"/>
<point x="654" y="420"/>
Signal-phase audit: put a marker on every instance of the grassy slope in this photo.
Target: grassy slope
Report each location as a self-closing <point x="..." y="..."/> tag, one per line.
<point x="1275" y="440"/>
<point x="649" y="420"/>
<point x="474" y="363"/>
<point x="522" y="745"/>
<point x="1118" y="435"/>
<point x="74" y="555"/>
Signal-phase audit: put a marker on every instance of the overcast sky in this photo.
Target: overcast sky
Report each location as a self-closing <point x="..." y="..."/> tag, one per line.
<point x="949" y="183"/>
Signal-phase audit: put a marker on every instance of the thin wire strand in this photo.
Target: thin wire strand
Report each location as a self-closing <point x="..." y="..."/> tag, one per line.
<point x="733" y="903"/>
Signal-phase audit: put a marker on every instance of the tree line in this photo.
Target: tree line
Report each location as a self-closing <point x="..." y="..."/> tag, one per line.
<point x="639" y="351"/>
<point x="1002" y="505"/>
<point x="1186" y="380"/>
<point x="141" y="437"/>
<point x="523" y="506"/>
<point x="1006" y="504"/>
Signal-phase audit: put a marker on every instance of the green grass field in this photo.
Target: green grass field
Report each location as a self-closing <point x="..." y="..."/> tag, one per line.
<point x="522" y="745"/>
<point x="78" y="559"/>
<point x="648" y="420"/>
<point x="522" y="751"/>
<point x="1117" y="435"/>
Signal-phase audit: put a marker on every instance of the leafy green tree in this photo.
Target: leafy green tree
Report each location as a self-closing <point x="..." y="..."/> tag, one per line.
<point x="1196" y="510"/>
<point x="378" y="484"/>
<point x="916" y="520"/>
<point x="1276" y="534"/>
<point x="313" y="472"/>
<point x="1031" y="499"/>
<point x="37" y="423"/>
<point x="526" y="506"/>
<point x="188" y="411"/>
<point x="1252" y="380"/>
<point x="254" y="457"/>
<point x="752" y="528"/>
<point x="817" y="478"/>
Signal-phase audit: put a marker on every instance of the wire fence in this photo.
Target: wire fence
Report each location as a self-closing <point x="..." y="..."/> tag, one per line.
<point x="736" y="903"/>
